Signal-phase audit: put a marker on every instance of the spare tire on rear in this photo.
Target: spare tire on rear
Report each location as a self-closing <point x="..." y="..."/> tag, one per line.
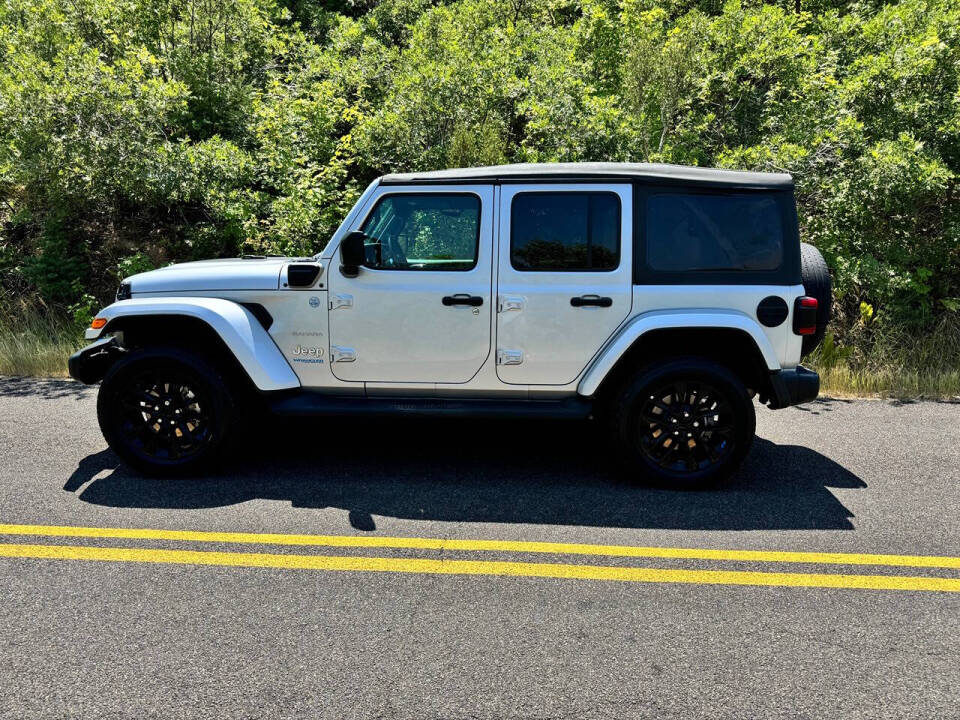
<point x="815" y="276"/>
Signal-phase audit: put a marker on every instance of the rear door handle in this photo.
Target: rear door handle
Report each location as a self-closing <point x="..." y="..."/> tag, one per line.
<point x="463" y="299"/>
<point x="591" y="301"/>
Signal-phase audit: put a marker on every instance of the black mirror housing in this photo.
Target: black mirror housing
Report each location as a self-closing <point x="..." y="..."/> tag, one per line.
<point x="352" y="253"/>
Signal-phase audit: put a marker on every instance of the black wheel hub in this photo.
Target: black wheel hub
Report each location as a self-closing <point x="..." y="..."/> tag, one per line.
<point x="686" y="427"/>
<point x="164" y="417"/>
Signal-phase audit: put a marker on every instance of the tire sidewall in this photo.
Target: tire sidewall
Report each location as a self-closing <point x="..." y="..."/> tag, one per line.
<point x="817" y="283"/>
<point x="194" y="368"/>
<point x="626" y="421"/>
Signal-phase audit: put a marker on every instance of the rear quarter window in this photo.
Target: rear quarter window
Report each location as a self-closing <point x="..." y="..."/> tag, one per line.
<point x="691" y="233"/>
<point x="715" y="236"/>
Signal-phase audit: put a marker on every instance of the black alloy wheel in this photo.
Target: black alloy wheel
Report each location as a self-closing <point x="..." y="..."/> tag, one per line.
<point x="165" y="411"/>
<point x="683" y="423"/>
<point x="686" y="427"/>
<point x="164" y="417"/>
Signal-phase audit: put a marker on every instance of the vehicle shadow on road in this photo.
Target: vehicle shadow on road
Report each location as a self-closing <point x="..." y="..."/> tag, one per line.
<point x="471" y="471"/>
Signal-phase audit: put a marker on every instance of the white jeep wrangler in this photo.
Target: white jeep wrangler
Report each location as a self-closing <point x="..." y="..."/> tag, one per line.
<point x="658" y="298"/>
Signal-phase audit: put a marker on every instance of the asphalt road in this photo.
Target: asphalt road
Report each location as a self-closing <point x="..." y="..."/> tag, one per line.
<point x="147" y="627"/>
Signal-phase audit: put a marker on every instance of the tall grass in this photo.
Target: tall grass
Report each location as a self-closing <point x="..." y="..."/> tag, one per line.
<point x="37" y="342"/>
<point x="892" y="362"/>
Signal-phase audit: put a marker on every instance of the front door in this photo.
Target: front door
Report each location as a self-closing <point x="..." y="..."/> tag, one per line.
<point x="564" y="278"/>
<point x="419" y="310"/>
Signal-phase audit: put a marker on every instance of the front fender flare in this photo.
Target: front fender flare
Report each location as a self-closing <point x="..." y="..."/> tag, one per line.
<point x="240" y="331"/>
<point x="671" y="319"/>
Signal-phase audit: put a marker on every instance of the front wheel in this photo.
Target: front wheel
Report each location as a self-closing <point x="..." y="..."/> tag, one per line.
<point x="165" y="411"/>
<point x="683" y="423"/>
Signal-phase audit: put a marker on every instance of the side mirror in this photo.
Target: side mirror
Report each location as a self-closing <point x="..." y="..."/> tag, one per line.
<point x="352" y="253"/>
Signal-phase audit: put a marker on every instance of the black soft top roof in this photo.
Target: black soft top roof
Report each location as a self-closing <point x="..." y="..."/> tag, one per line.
<point x="549" y="172"/>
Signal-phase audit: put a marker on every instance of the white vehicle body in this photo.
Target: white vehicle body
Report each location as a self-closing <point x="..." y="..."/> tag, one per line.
<point x="385" y="332"/>
<point x="660" y="298"/>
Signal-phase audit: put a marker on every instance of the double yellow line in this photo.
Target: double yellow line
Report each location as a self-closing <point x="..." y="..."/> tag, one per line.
<point x="483" y="567"/>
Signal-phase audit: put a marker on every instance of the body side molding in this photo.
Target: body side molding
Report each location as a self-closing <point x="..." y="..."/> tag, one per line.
<point x="240" y="331"/>
<point x="667" y="320"/>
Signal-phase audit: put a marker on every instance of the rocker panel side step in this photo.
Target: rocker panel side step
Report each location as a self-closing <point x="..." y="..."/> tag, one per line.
<point x="309" y="403"/>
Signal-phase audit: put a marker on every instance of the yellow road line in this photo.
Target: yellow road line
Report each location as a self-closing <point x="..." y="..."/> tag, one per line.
<point x="515" y="546"/>
<point x="479" y="567"/>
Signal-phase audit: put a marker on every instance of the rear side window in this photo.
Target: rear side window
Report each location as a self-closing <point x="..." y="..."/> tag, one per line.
<point x="565" y="231"/>
<point x="729" y="232"/>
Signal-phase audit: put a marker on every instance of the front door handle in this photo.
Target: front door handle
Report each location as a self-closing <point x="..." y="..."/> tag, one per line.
<point x="463" y="299"/>
<point x="591" y="301"/>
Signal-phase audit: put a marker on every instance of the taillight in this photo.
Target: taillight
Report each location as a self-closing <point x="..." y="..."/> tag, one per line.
<point x="805" y="316"/>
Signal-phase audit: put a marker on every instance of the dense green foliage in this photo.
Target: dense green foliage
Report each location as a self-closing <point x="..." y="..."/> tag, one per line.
<point x="136" y="132"/>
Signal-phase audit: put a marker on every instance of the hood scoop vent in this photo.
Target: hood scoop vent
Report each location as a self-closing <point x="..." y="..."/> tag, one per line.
<point x="302" y="276"/>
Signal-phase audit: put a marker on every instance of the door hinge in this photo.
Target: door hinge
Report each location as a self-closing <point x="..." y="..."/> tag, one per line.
<point x="342" y="354"/>
<point x="509" y="302"/>
<point x="509" y="357"/>
<point x="339" y="301"/>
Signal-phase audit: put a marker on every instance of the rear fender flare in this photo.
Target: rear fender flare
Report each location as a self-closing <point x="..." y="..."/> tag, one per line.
<point x="236" y="326"/>
<point x="634" y="329"/>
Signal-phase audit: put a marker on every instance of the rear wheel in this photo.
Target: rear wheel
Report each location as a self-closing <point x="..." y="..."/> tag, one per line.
<point x="165" y="411"/>
<point x="683" y="423"/>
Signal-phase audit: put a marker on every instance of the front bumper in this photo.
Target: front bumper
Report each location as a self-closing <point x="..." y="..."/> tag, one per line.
<point x="92" y="333"/>
<point x="794" y="386"/>
<point x="90" y="364"/>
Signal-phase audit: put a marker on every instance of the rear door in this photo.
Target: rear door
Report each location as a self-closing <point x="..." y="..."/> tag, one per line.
<point x="564" y="277"/>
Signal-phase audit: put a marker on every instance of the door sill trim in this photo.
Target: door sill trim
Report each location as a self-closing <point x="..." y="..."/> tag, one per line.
<point x="311" y="403"/>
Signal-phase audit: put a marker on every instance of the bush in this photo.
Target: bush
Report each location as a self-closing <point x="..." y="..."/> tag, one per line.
<point x="135" y="134"/>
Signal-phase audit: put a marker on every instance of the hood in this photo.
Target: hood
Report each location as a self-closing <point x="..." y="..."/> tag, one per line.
<point x="257" y="273"/>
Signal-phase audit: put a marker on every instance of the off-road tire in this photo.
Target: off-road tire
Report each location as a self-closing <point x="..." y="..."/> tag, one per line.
<point x="173" y="391"/>
<point x="709" y="391"/>
<point x="817" y="284"/>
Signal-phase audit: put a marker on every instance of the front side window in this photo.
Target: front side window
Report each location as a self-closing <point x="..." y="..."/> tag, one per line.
<point x="689" y="232"/>
<point x="423" y="232"/>
<point x="565" y="231"/>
